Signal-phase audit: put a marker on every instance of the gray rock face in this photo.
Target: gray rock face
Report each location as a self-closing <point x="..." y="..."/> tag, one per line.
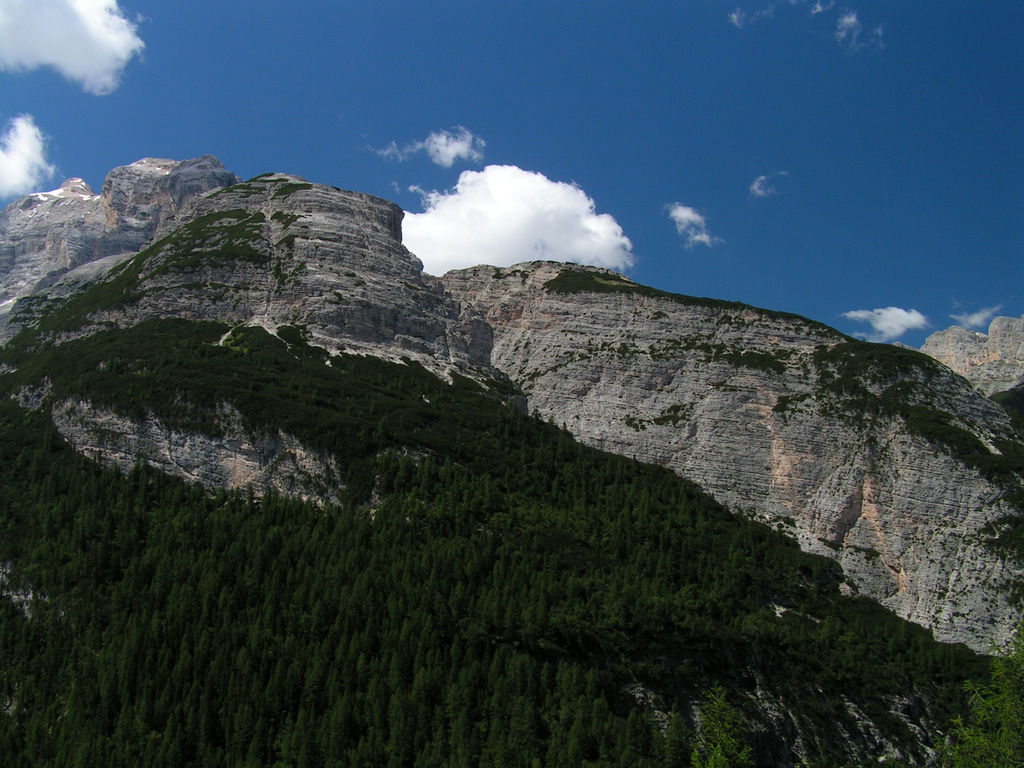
<point x="46" y="234"/>
<point x="992" y="362"/>
<point x="278" y="251"/>
<point x="235" y="459"/>
<point x="760" y="410"/>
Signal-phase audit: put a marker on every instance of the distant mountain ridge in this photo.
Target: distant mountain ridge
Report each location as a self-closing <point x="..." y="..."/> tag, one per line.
<point x="874" y="456"/>
<point x="45" y="235"/>
<point x="992" y="362"/>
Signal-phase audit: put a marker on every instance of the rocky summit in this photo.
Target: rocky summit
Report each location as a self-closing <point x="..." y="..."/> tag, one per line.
<point x="46" y="236"/>
<point x="992" y="362"/>
<point x="877" y="457"/>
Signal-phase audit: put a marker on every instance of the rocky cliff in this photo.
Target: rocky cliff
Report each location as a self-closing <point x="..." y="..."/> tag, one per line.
<point x="874" y="456"/>
<point x="47" y="234"/>
<point x="992" y="362"/>
<point x="877" y="457"/>
<point x="278" y="251"/>
<point x="275" y="252"/>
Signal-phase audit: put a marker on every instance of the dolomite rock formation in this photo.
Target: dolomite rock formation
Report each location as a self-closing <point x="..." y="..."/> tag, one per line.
<point x="279" y="251"/>
<point x="992" y="362"/>
<point x="762" y="410"/>
<point x="235" y="459"/>
<point x="275" y="251"/>
<point x="778" y="417"/>
<point x="46" y="234"/>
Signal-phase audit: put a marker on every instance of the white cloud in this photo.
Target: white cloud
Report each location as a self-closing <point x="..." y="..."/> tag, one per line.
<point x="848" y="27"/>
<point x="442" y="147"/>
<point x="23" y="165"/>
<point x="979" y="319"/>
<point x="740" y="18"/>
<point x="889" y="323"/>
<point x="849" y="31"/>
<point x="502" y="215"/>
<point x="762" y="186"/>
<point x="691" y="225"/>
<point x="88" y="41"/>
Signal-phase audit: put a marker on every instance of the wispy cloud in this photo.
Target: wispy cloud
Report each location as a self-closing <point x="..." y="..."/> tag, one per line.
<point x="979" y="319"/>
<point x="503" y="214"/>
<point x="443" y="147"/>
<point x="889" y="323"/>
<point x="23" y="165"/>
<point x="764" y="186"/>
<point x="740" y="18"/>
<point x="848" y="30"/>
<point x="87" y="41"/>
<point x="691" y="226"/>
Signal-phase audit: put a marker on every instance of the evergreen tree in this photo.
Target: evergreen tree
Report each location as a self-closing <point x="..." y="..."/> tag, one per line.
<point x="993" y="735"/>
<point x="722" y="735"/>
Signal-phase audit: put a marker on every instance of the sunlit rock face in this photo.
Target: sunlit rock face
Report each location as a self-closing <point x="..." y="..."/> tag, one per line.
<point x="992" y="362"/>
<point x="278" y="251"/>
<point x="764" y="411"/>
<point x="45" y="235"/>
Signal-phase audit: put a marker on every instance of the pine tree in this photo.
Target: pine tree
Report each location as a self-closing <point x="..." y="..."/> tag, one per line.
<point x="720" y="742"/>
<point x="993" y="737"/>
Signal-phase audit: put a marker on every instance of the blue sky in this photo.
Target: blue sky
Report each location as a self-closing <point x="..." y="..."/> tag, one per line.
<point x="859" y="163"/>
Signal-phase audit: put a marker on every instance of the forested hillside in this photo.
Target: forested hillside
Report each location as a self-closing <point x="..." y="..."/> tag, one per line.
<point x="486" y="592"/>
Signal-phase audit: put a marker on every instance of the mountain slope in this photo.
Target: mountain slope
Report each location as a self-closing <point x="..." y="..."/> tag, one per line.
<point x="516" y="594"/>
<point x="875" y="456"/>
<point x="450" y="580"/>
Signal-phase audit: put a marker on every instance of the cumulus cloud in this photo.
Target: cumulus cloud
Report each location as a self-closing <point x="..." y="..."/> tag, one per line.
<point x="502" y="215"/>
<point x="889" y="323"/>
<point x="88" y="41"/>
<point x="979" y="319"/>
<point x="23" y="163"/>
<point x="763" y="186"/>
<point x="691" y="225"/>
<point x="442" y="147"/>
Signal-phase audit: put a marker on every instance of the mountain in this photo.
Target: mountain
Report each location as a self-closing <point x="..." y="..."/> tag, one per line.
<point x="47" y="235"/>
<point x="992" y="362"/>
<point x="386" y="558"/>
<point x="870" y="454"/>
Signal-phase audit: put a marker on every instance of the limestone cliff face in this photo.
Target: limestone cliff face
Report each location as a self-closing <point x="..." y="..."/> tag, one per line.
<point x="275" y="251"/>
<point x="992" y="362"/>
<point x="234" y="459"/>
<point x="279" y="251"/>
<point x="46" y="234"/>
<point x="776" y="416"/>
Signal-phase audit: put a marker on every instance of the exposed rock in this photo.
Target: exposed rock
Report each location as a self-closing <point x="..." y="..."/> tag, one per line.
<point x="760" y="409"/>
<point x="234" y="459"/>
<point x="279" y="251"/>
<point x="45" y="234"/>
<point x="992" y="362"/>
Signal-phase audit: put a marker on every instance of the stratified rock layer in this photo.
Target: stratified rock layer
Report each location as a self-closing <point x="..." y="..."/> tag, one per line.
<point x="992" y="362"/>
<point x="760" y="409"/>
<point x="46" y="234"/>
<point x="278" y="251"/>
